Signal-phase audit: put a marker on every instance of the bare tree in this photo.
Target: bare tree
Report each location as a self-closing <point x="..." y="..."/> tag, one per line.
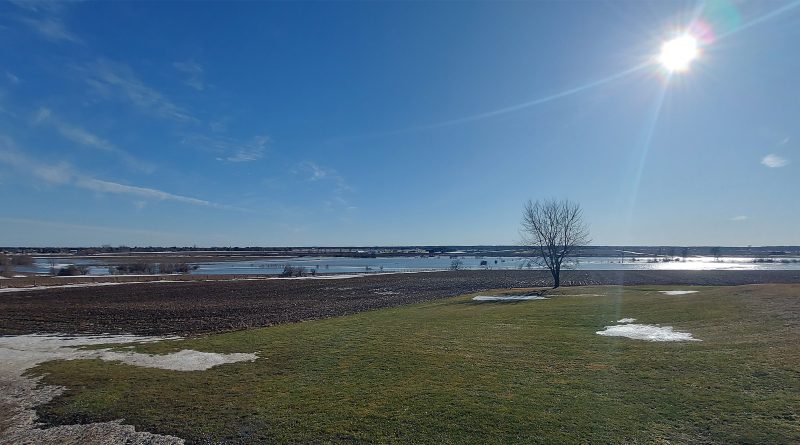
<point x="556" y="230"/>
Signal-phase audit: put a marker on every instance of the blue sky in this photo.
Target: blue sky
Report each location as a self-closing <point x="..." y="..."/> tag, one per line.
<point x="385" y="123"/>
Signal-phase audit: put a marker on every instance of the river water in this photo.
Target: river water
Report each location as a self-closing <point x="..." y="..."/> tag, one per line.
<point x="339" y="265"/>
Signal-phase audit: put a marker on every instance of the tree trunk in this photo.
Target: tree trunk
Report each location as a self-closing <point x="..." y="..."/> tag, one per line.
<point x="556" y="278"/>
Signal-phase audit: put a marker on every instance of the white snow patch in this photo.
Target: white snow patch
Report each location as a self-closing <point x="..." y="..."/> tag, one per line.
<point x="185" y="360"/>
<point x="507" y="297"/>
<point x="626" y="320"/>
<point x="21" y="394"/>
<point x="22" y="352"/>
<point x="107" y="283"/>
<point x="646" y="332"/>
<point x="678" y="292"/>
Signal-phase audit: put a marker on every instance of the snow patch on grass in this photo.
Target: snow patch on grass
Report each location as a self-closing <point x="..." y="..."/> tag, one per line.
<point x="21" y="352"/>
<point x="185" y="360"/>
<point x="678" y="292"/>
<point x="626" y="320"/>
<point x="646" y="332"/>
<point x="20" y="394"/>
<point x="508" y="297"/>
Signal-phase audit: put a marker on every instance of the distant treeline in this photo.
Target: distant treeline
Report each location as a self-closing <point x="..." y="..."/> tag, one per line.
<point x="375" y="251"/>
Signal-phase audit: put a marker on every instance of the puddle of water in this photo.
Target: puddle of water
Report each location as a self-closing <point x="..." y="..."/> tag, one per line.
<point x="678" y="292"/>
<point x="646" y="332"/>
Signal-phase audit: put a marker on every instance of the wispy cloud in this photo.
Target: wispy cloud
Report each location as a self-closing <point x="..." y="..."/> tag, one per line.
<point x="339" y="202"/>
<point x="193" y="72"/>
<point x="49" y="6"/>
<point x="12" y="78"/>
<point x="774" y="161"/>
<point x="60" y="173"/>
<point x="739" y="218"/>
<point x="112" y="79"/>
<point x="83" y="137"/>
<point x="250" y="151"/>
<point x="64" y="174"/>
<point x="245" y="156"/>
<point x="219" y="125"/>
<point x="44" y="18"/>
<point x="316" y="172"/>
<point x="784" y="141"/>
<point x="229" y="149"/>
<point x="51" y="28"/>
<point x="336" y="185"/>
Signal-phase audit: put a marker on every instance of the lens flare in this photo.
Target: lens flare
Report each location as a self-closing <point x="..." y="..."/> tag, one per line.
<point x="677" y="54"/>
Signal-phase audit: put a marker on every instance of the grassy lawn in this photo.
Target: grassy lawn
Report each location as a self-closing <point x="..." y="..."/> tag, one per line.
<point x="455" y="371"/>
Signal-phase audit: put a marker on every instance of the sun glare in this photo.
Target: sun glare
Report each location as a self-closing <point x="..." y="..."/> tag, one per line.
<point x="677" y="54"/>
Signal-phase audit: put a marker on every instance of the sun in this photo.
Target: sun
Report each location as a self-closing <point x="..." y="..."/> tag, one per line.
<point x="677" y="54"/>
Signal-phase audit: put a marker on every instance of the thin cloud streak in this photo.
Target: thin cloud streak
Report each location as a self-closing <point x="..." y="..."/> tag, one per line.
<point x="194" y="73"/>
<point x="98" y="185"/>
<point x="52" y="29"/>
<point x="319" y="173"/>
<point x="12" y="77"/>
<point x="83" y="137"/>
<point x="229" y="149"/>
<point x="63" y="174"/>
<point x="48" y="6"/>
<point x="111" y="79"/>
<point x="60" y="173"/>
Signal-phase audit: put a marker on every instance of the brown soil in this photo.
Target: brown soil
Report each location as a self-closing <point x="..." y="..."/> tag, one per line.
<point x="197" y="307"/>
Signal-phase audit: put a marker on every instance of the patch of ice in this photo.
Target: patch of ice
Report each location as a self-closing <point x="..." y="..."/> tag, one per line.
<point x="646" y="332"/>
<point x="507" y="297"/>
<point x="626" y="320"/>
<point x="678" y="292"/>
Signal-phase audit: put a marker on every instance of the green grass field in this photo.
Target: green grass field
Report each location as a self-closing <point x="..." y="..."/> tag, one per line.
<point x="455" y="371"/>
